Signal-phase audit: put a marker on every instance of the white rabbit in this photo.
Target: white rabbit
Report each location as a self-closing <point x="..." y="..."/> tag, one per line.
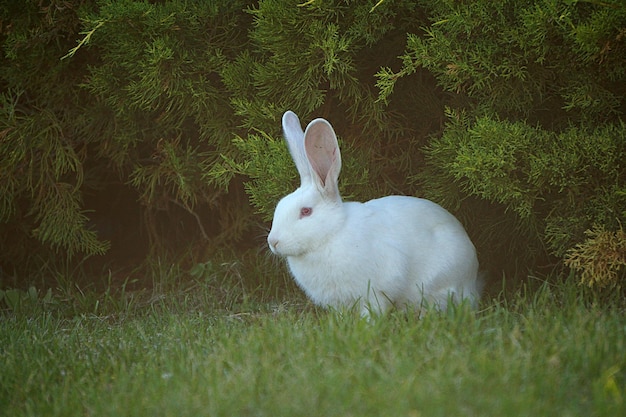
<point x="392" y="251"/>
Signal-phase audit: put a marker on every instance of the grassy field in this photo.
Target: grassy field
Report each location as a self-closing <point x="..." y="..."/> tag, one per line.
<point x="544" y="353"/>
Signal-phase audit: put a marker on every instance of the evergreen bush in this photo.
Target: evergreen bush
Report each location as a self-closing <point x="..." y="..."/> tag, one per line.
<point x="552" y="187"/>
<point x="101" y="97"/>
<point x="150" y="128"/>
<point x="534" y="124"/>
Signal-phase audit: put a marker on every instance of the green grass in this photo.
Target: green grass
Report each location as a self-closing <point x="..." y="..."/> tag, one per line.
<point x="545" y="353"/>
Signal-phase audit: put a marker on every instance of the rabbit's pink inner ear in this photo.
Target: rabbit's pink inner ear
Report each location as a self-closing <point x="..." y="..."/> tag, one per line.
<point x="322" y="168"/>
<point x="322" y="150"/>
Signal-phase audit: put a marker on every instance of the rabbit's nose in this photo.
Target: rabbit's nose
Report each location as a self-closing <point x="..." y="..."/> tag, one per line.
<point x="273" y="242"/>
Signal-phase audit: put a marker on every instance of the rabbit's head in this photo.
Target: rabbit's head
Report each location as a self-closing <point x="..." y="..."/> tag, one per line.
<point x="308" y="217"/>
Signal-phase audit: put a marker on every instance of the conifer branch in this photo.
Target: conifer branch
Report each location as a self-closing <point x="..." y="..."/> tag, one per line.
<point x="83" y="41"/>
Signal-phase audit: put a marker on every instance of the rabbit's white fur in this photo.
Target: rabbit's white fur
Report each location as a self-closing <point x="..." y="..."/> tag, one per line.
<point x="392" y="251"/>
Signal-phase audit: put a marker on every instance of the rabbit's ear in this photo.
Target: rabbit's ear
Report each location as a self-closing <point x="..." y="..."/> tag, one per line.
<point x="294" y="136"/>
<point x="322" y="151"/>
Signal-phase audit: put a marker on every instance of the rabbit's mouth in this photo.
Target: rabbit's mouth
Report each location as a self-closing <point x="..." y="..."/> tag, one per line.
<point x="273" y="243"/>
<point x="277" y="247"/>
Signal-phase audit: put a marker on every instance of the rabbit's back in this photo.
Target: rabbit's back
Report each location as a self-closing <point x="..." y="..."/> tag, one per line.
<point x="440" y="257"/>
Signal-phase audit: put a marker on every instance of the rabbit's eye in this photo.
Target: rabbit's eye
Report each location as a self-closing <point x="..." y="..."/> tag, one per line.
<point x="305" y="212"/>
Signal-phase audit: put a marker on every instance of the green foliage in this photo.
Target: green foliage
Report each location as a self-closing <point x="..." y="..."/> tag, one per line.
<point x="141" y="129"/>
<point x="524" y="58"/>
<point x="266" y="163"/>
<point x="138" y="102"/>
<point x="306" y="55"/>
<point x="159" y="75"/>
<point x="557" y="184"/>
<point x="42" y="153"/>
